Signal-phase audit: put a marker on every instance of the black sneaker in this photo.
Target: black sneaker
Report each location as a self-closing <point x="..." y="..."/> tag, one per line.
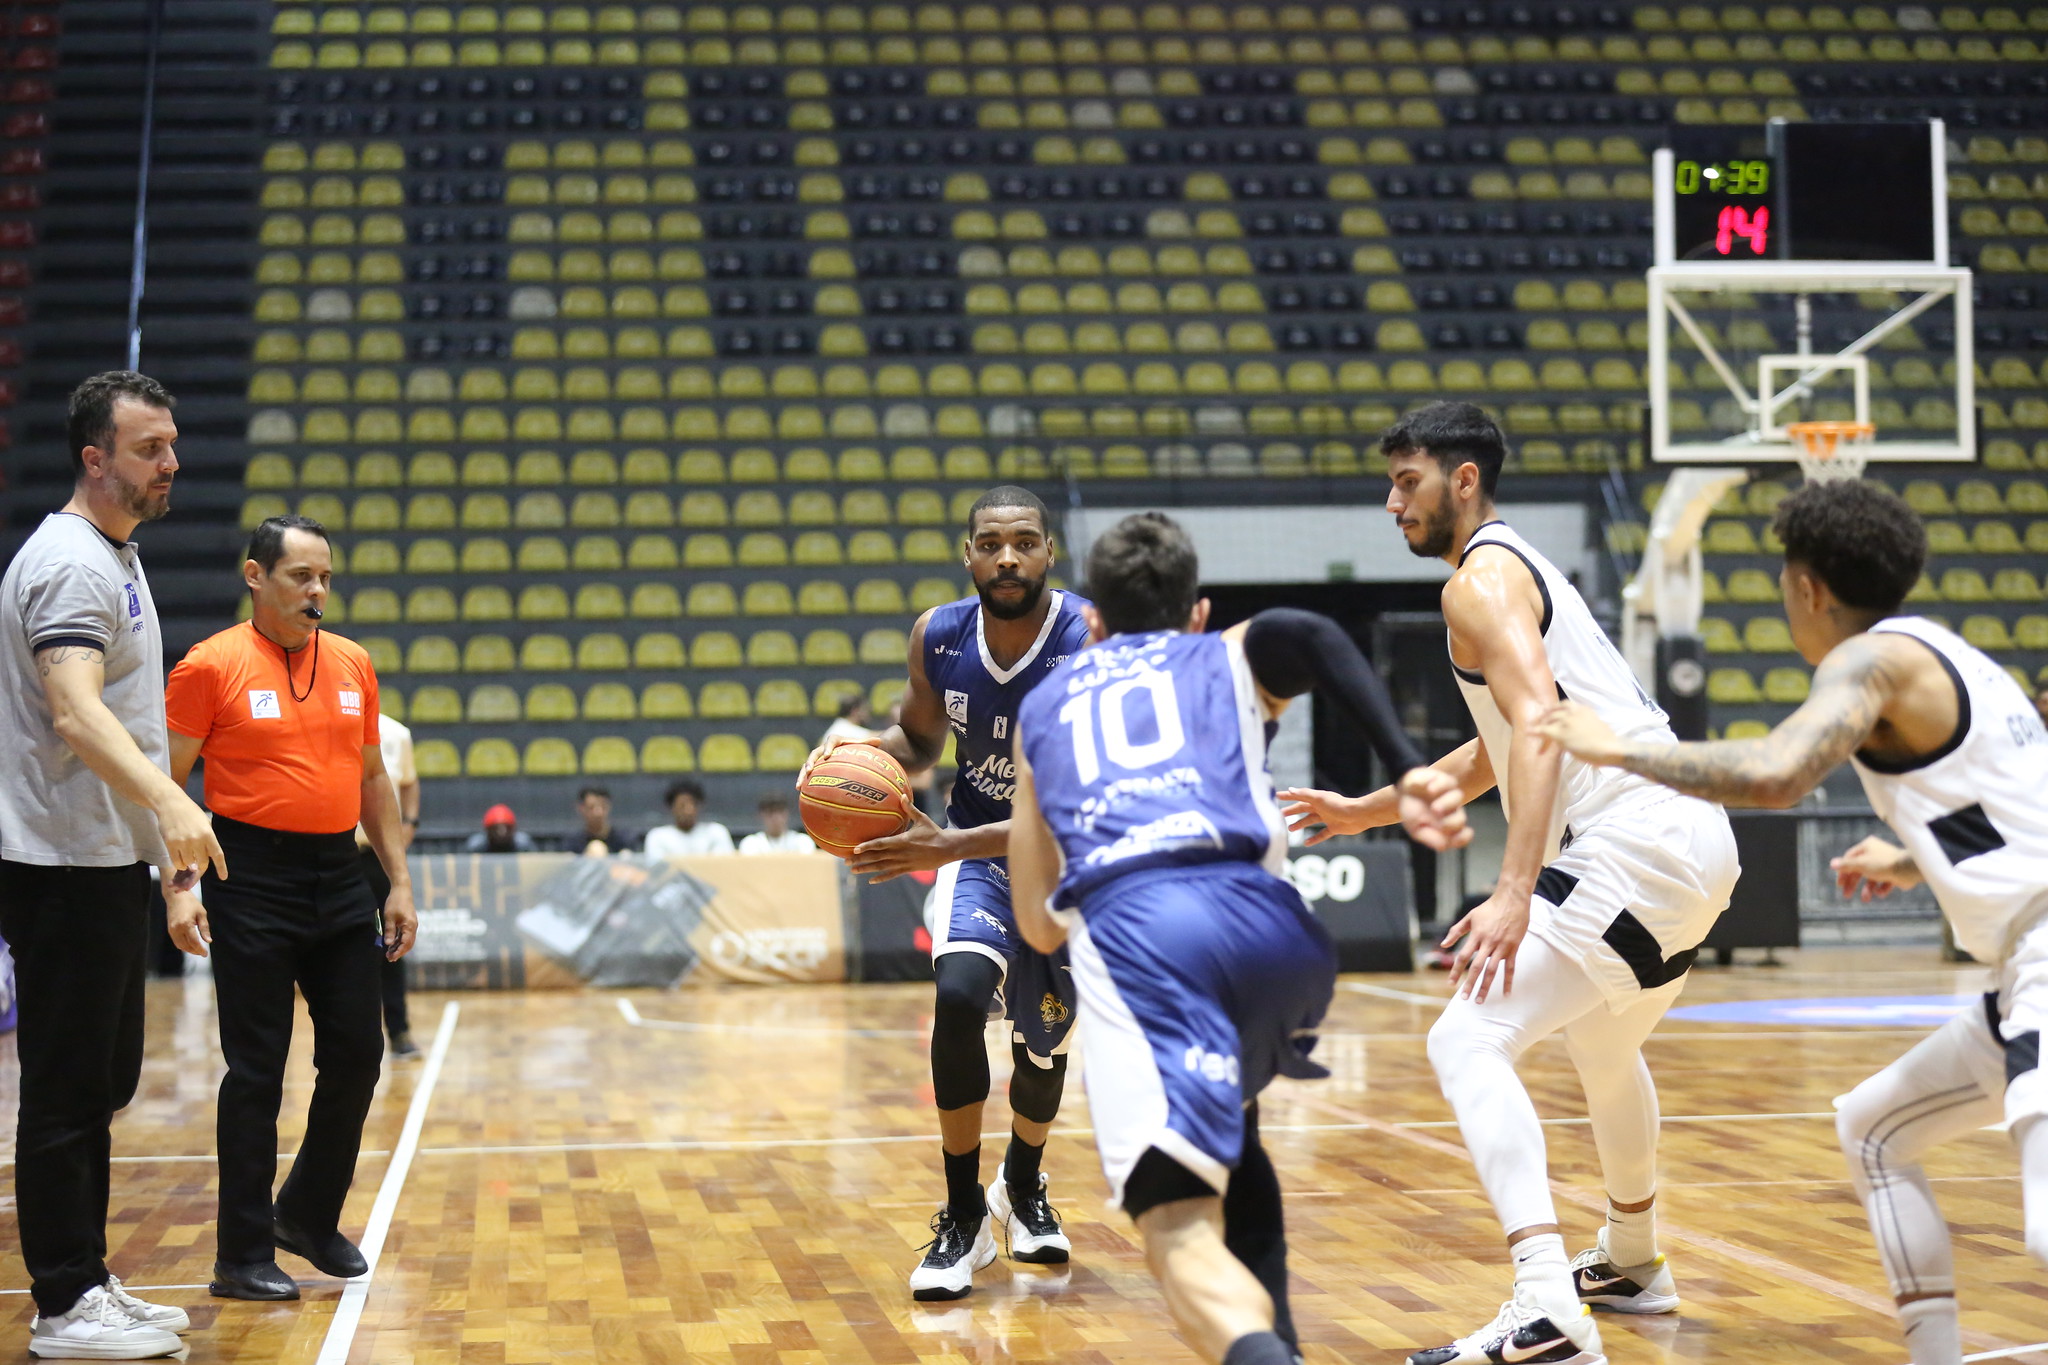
<point x="954" y="1253"/>
<point x="1030" y="1222"/>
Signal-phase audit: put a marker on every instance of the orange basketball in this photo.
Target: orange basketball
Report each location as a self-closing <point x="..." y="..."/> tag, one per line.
<point x="858" y="793"/>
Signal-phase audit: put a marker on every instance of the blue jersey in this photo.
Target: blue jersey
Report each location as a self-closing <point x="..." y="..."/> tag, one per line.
<point x="981" y="700"/>
<point x="1149" y="751"/>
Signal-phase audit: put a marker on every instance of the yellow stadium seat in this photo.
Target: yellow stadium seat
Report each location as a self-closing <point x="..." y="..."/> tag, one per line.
<point x="828" y="649"/>
<point x="724" y="701"/>
<point x="878" y="596"/>
<point x="771" y="649"/>
<point x="726" y="754"/>
<point x="667" y="754"/>
<point x="882" y="645"/>
<point x="609" y="755"/>
<point x="484" y="602"/>
<point x="543" y="602"/>
<point x="1986" y="633"/>
<point x="443" y="706"/>
<point x="491" y="758"/>
<point x="666" y="701"/>
<point x="707" y="551"/>
<point x="781" y="697"/>
<point x="1732" y="687"/>
<point x="781" y="753"/>
<point x="711" y="598"/>
<point x="545" y="654"/>
<point x="1787" y="686"/>
<point x="548" y="758"/>
<point x="716" y="649"/>
<point x="659" y="649"/>
<point x="596" y="554"/>
<point x="1767" y="635"/>
<point x="768" y="598"/>
<point x="600" y="602"/>
<point x="655" y="602"/>
<point x="542" y="554"/>
<point x="437" y="758"/>
<point x="649" y="552"/>
<point x="487" y="654"/>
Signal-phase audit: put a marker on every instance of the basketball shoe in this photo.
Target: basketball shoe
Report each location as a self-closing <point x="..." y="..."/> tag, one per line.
<point x="97" y="1328"/>
<point x="167" y="1316"/>
<point x="1646" y="1288"/>
<point x="1523" y="1334"/>
<point x="1030" y="1223"/>
<point x="954" y="1253"/>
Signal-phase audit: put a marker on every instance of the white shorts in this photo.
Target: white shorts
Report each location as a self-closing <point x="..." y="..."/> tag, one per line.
<point x="1631" y="898"/>
<point x="2020" y="1007"/>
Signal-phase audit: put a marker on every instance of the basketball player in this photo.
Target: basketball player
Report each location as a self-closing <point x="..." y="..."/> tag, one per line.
<point x="1145" y="814"/>
<point x="1955" y="759"/>
<point x="1607" y="885"/>
<point x="971" y="664"/>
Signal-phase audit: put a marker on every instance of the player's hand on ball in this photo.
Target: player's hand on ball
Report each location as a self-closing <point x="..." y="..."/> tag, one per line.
<point x="921" y="848"/>
<point x="1580" y="732"/>
<point x="1874" y="868"/>
<point x="818" y="754"/>
<point x="1433" y="809"/>
<point x="186" y="918"/>
<point x="1493" y="934"/>
<point x="1324" y="814"/>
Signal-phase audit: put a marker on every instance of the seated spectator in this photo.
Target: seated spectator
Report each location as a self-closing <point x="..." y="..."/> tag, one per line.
<point x="500" y="833"/>
<point x="775" y="835"/>
<point x="689" y="833"/>
<point x="851" y="723"/>
<point x="600" y="836"/>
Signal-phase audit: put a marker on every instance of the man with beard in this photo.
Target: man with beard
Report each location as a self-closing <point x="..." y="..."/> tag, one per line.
<point x="1607" y="886"/>
<point x="971" y="664"/>
<point x="86" y="806"/>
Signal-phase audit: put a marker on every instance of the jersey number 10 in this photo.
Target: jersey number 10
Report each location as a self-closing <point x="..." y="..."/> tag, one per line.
<point x="1080" y="716"/>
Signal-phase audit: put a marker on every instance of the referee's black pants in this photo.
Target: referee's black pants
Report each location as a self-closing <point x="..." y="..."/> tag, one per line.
<point x="79" y="936"/>
<point x="393" y="973"/>
<point x="295" y="911"/>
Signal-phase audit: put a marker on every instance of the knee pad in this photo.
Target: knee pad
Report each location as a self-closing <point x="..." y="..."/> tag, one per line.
<point x="1035" y="1086"/>
<point x="966" y="983"/>
<point x="1159" y="1179"/>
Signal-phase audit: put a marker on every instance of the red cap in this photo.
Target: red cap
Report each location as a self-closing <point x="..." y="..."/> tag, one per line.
<point x="500" y="815"/>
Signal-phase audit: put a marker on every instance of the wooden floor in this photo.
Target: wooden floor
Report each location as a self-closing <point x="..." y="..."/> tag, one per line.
<point x="744" y="1175"/>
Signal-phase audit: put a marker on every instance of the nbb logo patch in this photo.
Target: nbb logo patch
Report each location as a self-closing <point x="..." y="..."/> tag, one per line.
<point x="860" y="789"/>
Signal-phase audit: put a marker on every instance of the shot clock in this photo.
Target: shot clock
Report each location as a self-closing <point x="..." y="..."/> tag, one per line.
<point x="1724" y="190"/>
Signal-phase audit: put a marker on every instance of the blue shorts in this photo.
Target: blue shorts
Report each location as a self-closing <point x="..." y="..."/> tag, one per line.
<point x="1201" y="984"/>
<point x="971" y="914"/>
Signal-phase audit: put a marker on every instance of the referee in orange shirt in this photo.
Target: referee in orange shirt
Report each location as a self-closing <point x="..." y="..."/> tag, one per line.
<point x="286" y="718"/>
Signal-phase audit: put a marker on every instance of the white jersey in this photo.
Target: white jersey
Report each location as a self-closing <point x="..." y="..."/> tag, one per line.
<point x="1974" y="813"/>
<point x="1588" y="669"/>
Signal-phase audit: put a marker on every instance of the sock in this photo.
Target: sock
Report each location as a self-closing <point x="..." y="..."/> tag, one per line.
<point x="1258" y="1348"/>
<point x="1931" y="1331"/>
<point x="1020" y="1164"/>
<point x="1631" y="1237"/>
<point x="963" y="1185"/>
<point x="1542" y="1271"/>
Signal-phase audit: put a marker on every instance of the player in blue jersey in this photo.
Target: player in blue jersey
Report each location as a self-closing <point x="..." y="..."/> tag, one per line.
<point x="1146" y="828"/>
<point x="971" y="664"/>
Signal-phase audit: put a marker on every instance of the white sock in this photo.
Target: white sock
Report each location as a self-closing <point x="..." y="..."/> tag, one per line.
<point x="1932" y="1334"/>
<point x="1543" y="1275"/>
<point x="1631" y="1238"/>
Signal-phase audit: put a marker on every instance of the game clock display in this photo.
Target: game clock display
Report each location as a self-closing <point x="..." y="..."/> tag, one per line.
<point x="1723" y="207"/>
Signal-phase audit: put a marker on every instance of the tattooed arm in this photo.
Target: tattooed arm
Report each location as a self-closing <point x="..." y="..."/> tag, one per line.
<point x="1851" y="689"/>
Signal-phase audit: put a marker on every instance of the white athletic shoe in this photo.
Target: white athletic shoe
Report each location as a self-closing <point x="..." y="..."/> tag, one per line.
<point x="1031" y="1225"/>
<point x="1646" y="1288"/>
<point x="98" y="1328"/>
<point x="952" y="1256"/>
<point x="167" y="1316"/>
<point x="1523" y="1334"/>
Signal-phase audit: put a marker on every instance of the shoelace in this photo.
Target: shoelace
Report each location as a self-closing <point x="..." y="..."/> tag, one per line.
<point x="104" y="1309"/>
<point x="1036" y="1213"/>
<point x="1504" y="1322"/>
<point x="948" y="1240"/>
<point x="118" y="1292"/>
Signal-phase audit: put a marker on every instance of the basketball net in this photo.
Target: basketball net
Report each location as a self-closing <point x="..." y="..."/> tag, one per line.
<point x="1831" y="450"/>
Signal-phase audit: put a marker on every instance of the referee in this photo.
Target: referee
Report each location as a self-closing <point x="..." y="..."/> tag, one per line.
<point x="85" y="808"/>
<point x="286" y="718"/>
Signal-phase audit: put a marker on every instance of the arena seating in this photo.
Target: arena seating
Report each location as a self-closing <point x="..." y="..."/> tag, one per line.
<point x="556" y="300"/>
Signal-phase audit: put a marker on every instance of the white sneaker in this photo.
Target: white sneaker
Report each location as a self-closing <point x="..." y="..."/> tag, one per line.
<point x="951" y="1258"/>
<point x="1645" y="1288"/>
<point x="167" y="1316"/>
<point x="1032" y="1225"/>
<point x="1523" y="1334"/>
<point x="97" y="1328"/>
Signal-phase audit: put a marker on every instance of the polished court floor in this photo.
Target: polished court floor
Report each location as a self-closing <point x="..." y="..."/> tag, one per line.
<point x="744" y="1175"/>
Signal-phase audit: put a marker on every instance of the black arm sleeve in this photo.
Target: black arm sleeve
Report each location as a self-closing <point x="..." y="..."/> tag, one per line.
<point x="1293" y="651"/>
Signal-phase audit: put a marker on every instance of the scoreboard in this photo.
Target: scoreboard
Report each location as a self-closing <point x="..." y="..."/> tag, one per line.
<point x="1803" y="192"/>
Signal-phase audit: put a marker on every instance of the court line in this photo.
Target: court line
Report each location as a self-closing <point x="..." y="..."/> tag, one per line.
<point x="348" y="1312"/>
<point x="1667" y="1118"/>
<point x="2013" y="1351"/>
<point x="1714" y="1246"/>
<point x="633" y="1016"/>
<point x="131" y="1288"/>
<point x="1389" y="993"/>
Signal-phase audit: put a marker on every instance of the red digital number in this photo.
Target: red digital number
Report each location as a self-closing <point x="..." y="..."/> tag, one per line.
<point x="1740" y="222"/>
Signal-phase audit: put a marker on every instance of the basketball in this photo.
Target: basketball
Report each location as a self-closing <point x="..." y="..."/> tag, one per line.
<point x="856" y="794"/>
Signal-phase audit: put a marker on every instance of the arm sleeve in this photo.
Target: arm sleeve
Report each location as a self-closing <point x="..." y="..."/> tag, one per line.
<point x="189" y="704"/>
<point x="1293" y="651"/>
<point x="70" y="604"/>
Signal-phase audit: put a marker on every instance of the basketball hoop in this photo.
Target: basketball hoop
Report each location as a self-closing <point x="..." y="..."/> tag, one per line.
<point x="1831" y="450"/>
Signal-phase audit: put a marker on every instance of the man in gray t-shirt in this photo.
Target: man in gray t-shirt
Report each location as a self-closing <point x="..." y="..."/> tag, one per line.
<point x="86" y="808"/>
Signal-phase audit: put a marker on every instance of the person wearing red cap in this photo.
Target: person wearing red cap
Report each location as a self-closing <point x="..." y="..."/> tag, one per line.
<point x="500" y="833"/>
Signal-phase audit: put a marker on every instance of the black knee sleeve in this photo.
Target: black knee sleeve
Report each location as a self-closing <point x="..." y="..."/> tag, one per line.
<point x="1159" y="1179"/>
<point x="1254" y="1227"/>
<point x="1035" y="1088"/>
<point x="966" y="984"/>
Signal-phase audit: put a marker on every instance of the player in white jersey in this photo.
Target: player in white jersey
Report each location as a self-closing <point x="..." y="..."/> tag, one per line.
<point x="1607" y="885"/>
<point x="1955" y="759"/>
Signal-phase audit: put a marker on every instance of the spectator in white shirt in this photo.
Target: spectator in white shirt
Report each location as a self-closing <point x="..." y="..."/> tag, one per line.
<point x="689" y="834"/>
<point x="852" y="721"/>
<point x="775" y="835"/>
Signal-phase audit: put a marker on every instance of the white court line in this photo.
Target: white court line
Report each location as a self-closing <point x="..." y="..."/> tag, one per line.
<point x="632" y="1016"/>
<point x="2011" y="1351"/>
<point x="1667" y="1118"/>
<point x="131" y="1288"/>
<point x="348" y="1312"/>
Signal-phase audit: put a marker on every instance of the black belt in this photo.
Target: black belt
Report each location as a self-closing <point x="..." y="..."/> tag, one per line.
<point x="242" y="832"/>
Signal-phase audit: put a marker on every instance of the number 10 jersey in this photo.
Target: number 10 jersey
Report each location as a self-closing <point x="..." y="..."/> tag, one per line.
<point x="1149" y="751"/>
